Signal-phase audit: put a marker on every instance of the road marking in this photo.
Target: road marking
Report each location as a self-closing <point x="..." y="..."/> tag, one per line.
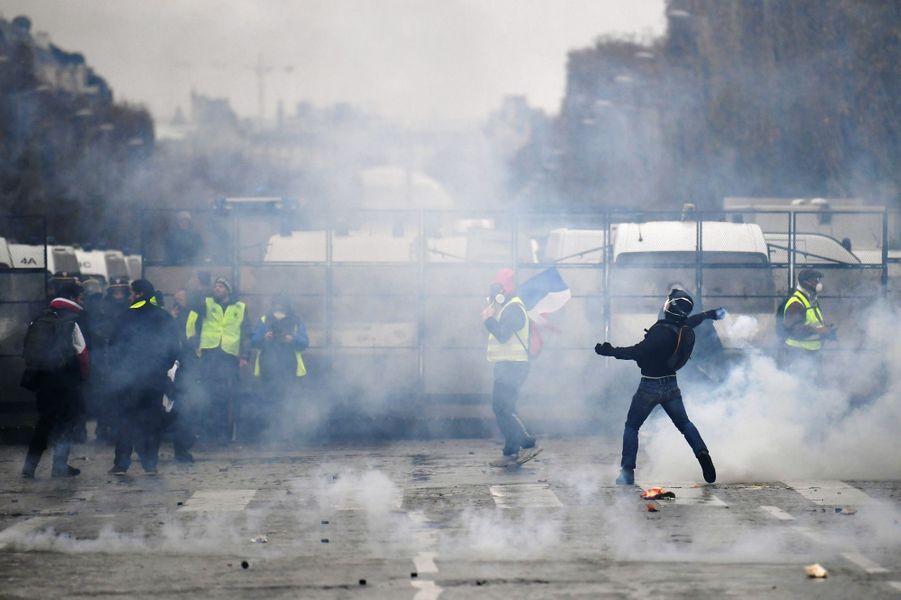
<point x="810" y="533"/>
<point x="427" y="590"/>
<point x="829" y="492"/>
<point x="425" y="563"/>
<point x="525" y="495"/>
<point x="778" y="513"/>
<point x="864" y="563"/>
<point x="22" y="528"/>
<point x="218" y="501"/>
<point x="687" y="494"/>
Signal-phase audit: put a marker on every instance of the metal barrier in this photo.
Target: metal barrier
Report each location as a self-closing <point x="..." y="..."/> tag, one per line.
<point x="391" y="298"/>
<point x="22" y="297"/>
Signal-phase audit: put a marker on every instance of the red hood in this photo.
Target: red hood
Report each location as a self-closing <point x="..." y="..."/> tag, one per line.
<point x="65" y="304"/>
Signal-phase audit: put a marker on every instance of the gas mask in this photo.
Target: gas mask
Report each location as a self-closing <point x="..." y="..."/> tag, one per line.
<point x="496" y="294"/>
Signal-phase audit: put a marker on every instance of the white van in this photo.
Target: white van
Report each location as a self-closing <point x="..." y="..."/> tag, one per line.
<point x="102" y="265"/>
<point x="31" y="256"/>
<point x="6" y="259"/>
<point x="135" y="265"/>
<point x="650" y="258"/>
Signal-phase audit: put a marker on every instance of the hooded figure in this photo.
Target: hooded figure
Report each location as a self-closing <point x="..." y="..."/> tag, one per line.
<point x="665" y="349"/>
<point x="57" y="365"/>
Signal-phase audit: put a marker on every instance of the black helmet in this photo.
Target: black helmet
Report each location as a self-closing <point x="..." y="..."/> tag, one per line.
<point x="678" y="304"/>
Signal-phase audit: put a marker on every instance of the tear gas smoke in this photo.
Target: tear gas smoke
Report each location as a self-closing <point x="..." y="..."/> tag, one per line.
<point x="762" y="423"/>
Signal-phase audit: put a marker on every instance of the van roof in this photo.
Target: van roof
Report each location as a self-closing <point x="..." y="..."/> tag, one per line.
<point x="681" y="236"/>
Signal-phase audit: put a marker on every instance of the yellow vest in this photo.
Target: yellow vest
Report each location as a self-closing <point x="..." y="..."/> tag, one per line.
<point x="813" y="317"/>
<point x="301" y="368"/>
<point x="220" y="328"/>
<point x="516" y="348"/>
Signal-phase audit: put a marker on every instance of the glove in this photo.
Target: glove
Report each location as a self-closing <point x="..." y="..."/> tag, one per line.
<point x="717" y="314"/>
<point x="605" y="349"/>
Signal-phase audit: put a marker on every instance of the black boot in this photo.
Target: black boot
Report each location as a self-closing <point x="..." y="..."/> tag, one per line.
<point x="65" y="471"/>
<point x="30" y="466"/>
<point x="707" y="466"/>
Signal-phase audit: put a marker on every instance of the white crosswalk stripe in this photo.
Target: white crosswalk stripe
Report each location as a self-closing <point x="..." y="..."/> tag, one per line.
<point x="829" y="492"/>
<point x="524" y="495"/>
<point x="777" y="513"/>
<point x="864" y="563"/>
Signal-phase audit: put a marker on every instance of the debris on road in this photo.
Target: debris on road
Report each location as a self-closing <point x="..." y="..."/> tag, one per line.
<point x="260" y="539"/>
<point x="816" y="571"/>
<point x="414" y="575"/>
<point x="362" y="582"/>
<point x="651" y="507"/>
<point x="324" y="540"/>
<point x="245" y="564"/>
<point x="657" y="493"/>
<point x="845" y="510"/>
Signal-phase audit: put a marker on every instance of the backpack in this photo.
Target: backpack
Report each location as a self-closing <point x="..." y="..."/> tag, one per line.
<point x="781" y="331"/>
<point x="685" y="343"/>
<point x="48" y="342"/>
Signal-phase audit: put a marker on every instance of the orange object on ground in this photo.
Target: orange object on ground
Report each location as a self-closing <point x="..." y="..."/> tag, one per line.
<point x="656" y="493"/>
<point x="652" y="507"/>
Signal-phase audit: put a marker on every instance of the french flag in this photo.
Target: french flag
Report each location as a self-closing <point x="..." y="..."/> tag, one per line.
<point x="544" y="294"/>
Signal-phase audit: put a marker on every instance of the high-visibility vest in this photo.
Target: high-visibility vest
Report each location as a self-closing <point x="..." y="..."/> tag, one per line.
<point x="301" y="368"/>
<point x="515" y="349"/>
<point x="812" y="317"/>
<point x="220" y="328"/>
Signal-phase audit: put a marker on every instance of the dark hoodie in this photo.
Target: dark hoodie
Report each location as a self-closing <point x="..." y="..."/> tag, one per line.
<point x="658" y="345"/>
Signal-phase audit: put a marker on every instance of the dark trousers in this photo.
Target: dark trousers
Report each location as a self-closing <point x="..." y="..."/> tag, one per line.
<point x="508" y="379"/>
<point x="140" y="428"/>
<point x="57" y="404"/>
<point x="219" y="380"/>
<point x="652" y="392"/>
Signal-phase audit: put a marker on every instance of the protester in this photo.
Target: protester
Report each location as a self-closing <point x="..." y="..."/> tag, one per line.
<point x="802" y="324"/>
<point x="666" y="348"/>
<point x="220" y="331"/>
<point x="146" y="345"/>
<point x="183" y="243"/>
<point x="57" y="364"/>
<point x="280" y="337"/>
<point x="507" y="323"/>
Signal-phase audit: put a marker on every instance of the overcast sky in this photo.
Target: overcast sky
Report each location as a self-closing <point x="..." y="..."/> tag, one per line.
<point x="411" y="59"/>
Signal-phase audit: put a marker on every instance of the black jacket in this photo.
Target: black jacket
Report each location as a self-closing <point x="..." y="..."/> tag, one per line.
<point x="145" y="346"/>
<point x="658" y="345"/>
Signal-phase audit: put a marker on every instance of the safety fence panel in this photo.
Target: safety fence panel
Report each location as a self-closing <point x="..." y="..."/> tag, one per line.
<point x="22" y="297"/>
<point x="391" y="299"/>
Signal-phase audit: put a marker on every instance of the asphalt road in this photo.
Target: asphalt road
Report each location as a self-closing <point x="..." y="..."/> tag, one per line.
<point x="426" y="520"/>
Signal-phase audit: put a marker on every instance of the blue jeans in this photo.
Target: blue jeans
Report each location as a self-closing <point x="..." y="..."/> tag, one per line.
<point x="508" y="379"/>
<point x="650" y="393"/>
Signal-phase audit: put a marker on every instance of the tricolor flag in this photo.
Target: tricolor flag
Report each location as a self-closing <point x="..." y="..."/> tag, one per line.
<point x="544" y="294"/>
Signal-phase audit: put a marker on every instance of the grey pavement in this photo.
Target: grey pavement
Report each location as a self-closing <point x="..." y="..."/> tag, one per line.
<point x="429" y="520"/>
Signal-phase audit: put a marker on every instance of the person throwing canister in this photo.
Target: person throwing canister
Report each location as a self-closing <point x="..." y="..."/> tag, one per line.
<point x="665" y="349"/>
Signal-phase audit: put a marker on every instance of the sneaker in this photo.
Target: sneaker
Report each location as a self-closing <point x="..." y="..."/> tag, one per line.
<point x="117" y="470"/>
<point x="28" y="473"/>
<point x="65" y="471"/>
<point x="527" y="454"/>
<point x="507" y="460"/>
<point x="151" y="471"/>
<point x="707" y="466"/>
<point x="184" y="457"/>
<point x="626" y="477"/>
